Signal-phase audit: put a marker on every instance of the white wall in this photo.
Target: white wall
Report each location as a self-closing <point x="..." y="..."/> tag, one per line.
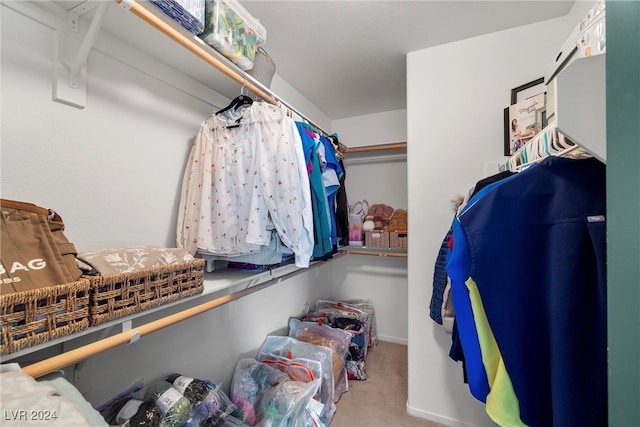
<point x="381" y="178"/>
<point x="295" y="99"/>
<point x="456" y="94"/>
<point x="378" y="180"/>
<point x="370" y="129"/>
<point x="113" y="170"/>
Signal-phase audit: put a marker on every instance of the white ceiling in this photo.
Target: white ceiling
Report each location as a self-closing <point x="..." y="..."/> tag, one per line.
<point x="348" y="57"/>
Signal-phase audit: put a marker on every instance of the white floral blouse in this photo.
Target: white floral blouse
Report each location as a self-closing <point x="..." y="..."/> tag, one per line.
<point x="239" y="176"/>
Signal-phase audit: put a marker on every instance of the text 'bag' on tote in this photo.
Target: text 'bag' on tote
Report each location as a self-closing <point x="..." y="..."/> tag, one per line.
<point x="34" y="251"/>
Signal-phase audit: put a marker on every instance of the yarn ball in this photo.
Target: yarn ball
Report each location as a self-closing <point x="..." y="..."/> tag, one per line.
<point x="368" y="225"/>
<point x="148" y="415"/>
<point x="192" y="388"/>
<point x="176" y="408"/>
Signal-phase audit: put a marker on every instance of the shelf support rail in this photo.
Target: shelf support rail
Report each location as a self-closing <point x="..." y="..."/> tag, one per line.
<point x="87" y="44"/>
<point x="70" y="70"/>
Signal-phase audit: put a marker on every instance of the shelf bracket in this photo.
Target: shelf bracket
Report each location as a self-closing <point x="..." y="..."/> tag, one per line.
<point x="70" y="71"/>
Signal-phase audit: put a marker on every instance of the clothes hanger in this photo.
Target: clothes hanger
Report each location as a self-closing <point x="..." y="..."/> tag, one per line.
<point x="238" y="101"/>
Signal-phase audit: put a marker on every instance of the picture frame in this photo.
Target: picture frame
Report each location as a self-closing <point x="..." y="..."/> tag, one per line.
<point x="523" y="122"/>
<point x="520" y="95"/>
<point x="528" y="90"/>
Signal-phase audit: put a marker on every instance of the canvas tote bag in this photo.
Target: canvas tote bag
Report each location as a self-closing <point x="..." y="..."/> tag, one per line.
<point x="34" y="251"/>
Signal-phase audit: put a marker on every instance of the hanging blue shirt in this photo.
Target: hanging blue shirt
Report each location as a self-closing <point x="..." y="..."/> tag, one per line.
<point x="537" y="253"/>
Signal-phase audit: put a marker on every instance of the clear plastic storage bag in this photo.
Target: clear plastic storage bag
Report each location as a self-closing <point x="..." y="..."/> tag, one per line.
<point x="356" y="310"/>
<point x="174" y="407"/>
<point x="367" y="306"/>
<point x="357" y="353"/>
<point x="326" y="336"/>
<point x="285" y="346"/>
<point x="285" y="403"/>
<point x="211" y="406"/>
<point x="250" y="380"/>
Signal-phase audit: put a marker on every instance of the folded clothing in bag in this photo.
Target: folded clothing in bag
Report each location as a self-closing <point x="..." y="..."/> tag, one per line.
<point x="318" y="359"/>
<point x="357" y="353"/>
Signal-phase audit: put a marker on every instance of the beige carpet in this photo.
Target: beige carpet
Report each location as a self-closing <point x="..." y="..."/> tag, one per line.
<point x="381" y="399"/>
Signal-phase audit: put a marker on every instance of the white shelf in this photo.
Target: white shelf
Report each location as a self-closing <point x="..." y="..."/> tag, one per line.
<point x="581" y="104"/>
<point x="216" y="284"/>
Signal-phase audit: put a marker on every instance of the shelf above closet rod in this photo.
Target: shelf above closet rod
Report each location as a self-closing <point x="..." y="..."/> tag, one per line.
<point x="204" y="52"/>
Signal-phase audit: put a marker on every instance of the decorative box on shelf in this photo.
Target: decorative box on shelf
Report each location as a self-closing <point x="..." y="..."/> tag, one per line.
<point x="40" y="315"/>
<point x="378" y="239"/>
<point x="117" y="295"/>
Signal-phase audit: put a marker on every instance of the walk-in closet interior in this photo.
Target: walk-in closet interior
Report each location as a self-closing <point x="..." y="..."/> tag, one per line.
<point x="102" y="102"/>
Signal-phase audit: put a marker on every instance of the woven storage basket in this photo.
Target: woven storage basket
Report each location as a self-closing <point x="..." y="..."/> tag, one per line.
<point x="398" y="239"/>
<point x="263" y="67"/>
<point x="36" y="316"/>
<point x="119" y="295"/>
<point x="376" y="239"/>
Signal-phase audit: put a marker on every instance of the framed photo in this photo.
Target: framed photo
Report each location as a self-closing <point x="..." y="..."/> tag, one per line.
<point x="528" y="90"/>
<point x="523" y="121"/>
<point x="517" y="122"/>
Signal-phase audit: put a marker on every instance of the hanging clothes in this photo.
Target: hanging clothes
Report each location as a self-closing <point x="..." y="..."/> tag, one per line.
<point x="331" y="173"/>
<point x="529" y="255"/>
<point x="341" y="203"/>
<point x="245" y="176"/>
<point x="321" y="212"/>
<point x="440" y="307"/>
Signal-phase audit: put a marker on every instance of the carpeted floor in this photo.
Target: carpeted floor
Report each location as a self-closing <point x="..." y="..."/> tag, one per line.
<point x="381" y="399"/>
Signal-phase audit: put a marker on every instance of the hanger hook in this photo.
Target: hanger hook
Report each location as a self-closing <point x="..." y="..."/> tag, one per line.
<point x="244" y="84"/>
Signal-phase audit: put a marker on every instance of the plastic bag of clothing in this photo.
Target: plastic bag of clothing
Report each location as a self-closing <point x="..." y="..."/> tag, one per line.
<point x="335" y="339"/>
<point x="296" y="349"/>
<point x="345" y="309"/>
<point x="215" y="409"/>
<point x="302" y="370"/>
<point x="371" y="327"/>
<point x="284" y="404"/>
<point x="250" y="380"/>
<point x="357" y="353"/>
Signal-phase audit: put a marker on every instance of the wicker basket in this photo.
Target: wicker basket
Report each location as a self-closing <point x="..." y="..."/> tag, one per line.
<point x="36" y="316"/>
<point x="398" y="239"/>
<point x="376" y="239"/>
<point x="119" y="295"/>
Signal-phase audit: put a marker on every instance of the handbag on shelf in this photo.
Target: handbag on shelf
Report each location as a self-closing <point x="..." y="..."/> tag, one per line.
<point x="34" y="251"/>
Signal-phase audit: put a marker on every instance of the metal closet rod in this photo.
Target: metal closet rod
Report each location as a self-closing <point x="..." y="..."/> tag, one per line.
<point x="199" y="49"/>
